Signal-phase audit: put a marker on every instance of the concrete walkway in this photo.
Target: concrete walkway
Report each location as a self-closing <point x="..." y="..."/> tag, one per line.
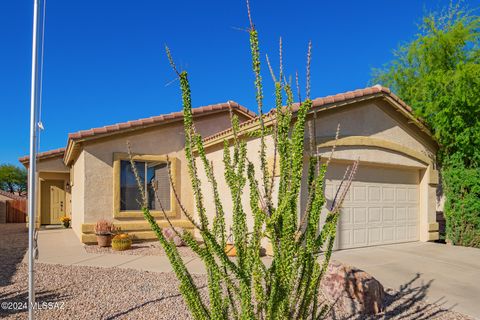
<point x="447" y="275"/>
<point x="60" y="246"/>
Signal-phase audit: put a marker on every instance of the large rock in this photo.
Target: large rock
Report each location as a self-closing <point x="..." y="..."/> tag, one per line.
<point x="353" y="290"/>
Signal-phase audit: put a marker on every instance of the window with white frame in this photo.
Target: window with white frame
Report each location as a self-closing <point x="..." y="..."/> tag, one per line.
<point x="154" y="176"/>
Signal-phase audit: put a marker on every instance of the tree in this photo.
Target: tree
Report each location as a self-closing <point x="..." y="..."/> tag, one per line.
<point x="438" y="74"/>
<point x="247" y="288"/>
<point x="13" y="179"/>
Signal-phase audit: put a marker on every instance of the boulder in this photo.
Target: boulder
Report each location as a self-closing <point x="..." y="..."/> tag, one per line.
<point x="352" y="290"/>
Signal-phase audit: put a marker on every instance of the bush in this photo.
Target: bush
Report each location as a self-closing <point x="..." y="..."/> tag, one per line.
<point x="246" y="287"/>
<point x="462" y="207"/>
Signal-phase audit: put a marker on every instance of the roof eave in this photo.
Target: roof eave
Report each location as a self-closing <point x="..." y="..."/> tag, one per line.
<point x="326" y="104"/>
<point x="74" y="144"/>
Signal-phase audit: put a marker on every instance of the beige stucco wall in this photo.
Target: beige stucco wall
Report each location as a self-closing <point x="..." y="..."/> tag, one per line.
<point x="371" y="119"/>
<point x="215" y="155"/>
<point x="375" y="119"/>
<point x="95" y="175"/>
<point x="77" y="174"/>
<point x="52" y="165"/>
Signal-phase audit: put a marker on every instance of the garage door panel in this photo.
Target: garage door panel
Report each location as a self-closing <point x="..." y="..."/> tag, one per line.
<point x="400" y="214"/>
<point x="344" y="239"/>
<point x="359" y="193"/>
<point x="360" y="215"/>
<point x="412" y="232"/>
<point x="413" y="194"/>
<point x="346" y="216"/>
<point x="374" y="193"/>
<point x="360" y="237"/>
<point x="388" y="194"/>
<point x="375" y="236"/>
<point x="400" y="194"/>
<point x="388" y="234"/>
<point x="376" y="213"/>
<point x="401" y="233"/>
<point x="412" y="214"/>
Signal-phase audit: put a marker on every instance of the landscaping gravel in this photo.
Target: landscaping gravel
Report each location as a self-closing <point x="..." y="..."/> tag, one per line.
<point x="141" y="249"/>
<point x="113" y="293"/>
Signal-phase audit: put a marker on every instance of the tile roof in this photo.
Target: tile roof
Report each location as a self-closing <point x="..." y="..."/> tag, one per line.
<point x="160" y="119"/>
<point x="11" y="195"/>
<point x="328" y="100"/>
<point x="44" y="155"/>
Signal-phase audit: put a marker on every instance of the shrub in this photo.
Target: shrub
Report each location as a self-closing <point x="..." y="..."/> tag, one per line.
<point x="246" y="288"/>
<point x="104" y="227"/>
<point x="174" y="235"/>
<point x="462" y="205"/>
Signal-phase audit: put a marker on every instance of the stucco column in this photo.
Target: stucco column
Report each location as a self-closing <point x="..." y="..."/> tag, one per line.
<point x="427" y="204"/>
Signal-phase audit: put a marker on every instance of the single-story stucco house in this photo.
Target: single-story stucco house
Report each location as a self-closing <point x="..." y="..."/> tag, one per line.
<point x="392" y="199"/>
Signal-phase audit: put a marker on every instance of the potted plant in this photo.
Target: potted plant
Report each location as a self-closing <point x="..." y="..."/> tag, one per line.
<point x="121" y="242"/>
<point x="104" y="231"/>
<point x="66" y="221"/>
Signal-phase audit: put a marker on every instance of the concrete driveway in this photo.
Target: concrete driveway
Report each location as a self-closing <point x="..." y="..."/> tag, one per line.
<point x="447" y="275"/>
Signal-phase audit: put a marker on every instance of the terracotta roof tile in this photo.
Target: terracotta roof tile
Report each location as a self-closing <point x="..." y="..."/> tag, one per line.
<point x="158" y="119"/>
<point x="44" y="155"/>
<point x="320" y="102"/>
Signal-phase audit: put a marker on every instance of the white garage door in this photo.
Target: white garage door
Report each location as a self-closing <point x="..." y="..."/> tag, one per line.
<point x="380" y="208"/>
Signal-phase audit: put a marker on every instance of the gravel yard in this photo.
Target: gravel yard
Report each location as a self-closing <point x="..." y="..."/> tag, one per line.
<point x="151" y="248"/>
<point x="113" y="293"/>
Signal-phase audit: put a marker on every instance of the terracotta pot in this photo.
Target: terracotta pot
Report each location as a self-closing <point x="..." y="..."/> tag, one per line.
<point x="104" y="240"/>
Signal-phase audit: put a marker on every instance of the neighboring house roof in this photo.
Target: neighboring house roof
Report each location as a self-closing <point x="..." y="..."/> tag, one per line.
<point x="330" y="102"/>
<point x="11" y="195"/>
<point x="57" y="153"/>
<point x="94" y="133"/>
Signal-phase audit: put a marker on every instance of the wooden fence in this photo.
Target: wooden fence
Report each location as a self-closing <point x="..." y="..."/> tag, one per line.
<point x="16" y="211"/>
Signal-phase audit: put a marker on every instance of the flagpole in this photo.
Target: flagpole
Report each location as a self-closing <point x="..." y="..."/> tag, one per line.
<point x="32" y="164"/>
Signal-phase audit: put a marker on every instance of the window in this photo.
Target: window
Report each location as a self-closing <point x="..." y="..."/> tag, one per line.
<point x="154" y="175"/>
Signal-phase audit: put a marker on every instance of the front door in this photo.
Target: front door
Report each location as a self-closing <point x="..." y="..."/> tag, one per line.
<point x="53" y="201"/>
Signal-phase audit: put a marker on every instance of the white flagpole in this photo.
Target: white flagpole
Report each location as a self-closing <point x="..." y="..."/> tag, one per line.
<point x="32" y="165"/>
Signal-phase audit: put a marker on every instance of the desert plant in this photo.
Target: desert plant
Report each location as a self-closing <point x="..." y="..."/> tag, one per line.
<point x="104" y="230"/>
<point x="104" y="227"/>
<point x="174" y="235"/>
<point x="121" y="242"/>
<point x="246" y="288"/>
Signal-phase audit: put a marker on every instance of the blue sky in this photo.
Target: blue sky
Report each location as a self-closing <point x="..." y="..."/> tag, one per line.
<point x="105" y="60"/>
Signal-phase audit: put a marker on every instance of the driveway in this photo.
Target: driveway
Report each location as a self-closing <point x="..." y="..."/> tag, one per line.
<point x="445" y="274"/>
